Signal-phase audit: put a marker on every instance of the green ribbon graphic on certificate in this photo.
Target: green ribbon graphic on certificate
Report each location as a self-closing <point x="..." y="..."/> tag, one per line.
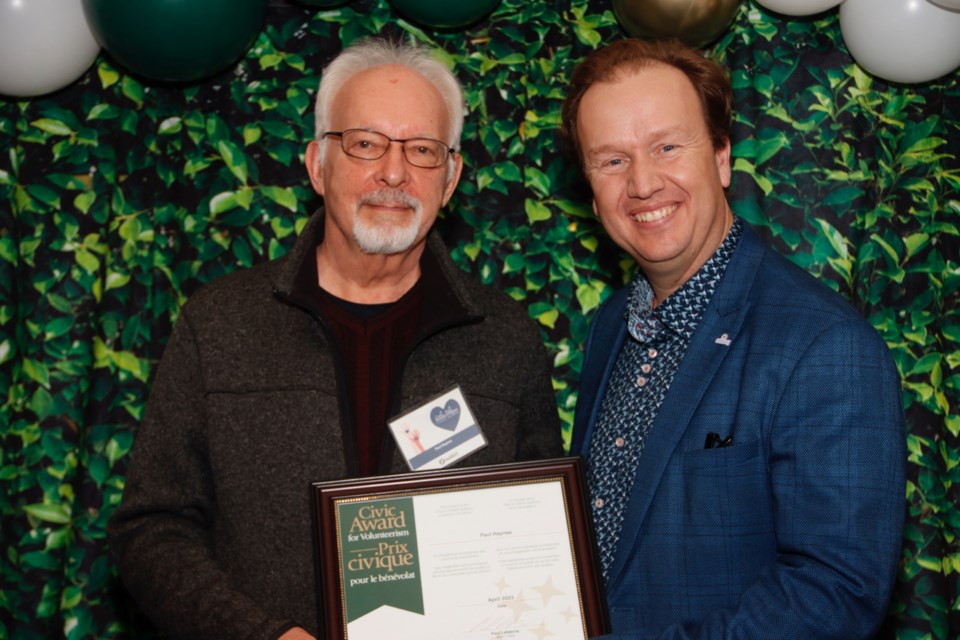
<point x="379" y="558"/>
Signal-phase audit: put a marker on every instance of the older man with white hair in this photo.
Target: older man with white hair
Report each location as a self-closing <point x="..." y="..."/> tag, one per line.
<point x="288" y="373"/>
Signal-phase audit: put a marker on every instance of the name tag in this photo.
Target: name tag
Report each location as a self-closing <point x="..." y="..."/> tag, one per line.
<point x="438" y="433"/>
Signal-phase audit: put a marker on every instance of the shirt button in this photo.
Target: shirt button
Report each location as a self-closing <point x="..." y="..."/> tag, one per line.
<point x="652" y="353"/>
<point x="641" y="381"/>
<point x="598" y="503"/>
<point x="645" y="368"/>
<point x="619" y="442"/>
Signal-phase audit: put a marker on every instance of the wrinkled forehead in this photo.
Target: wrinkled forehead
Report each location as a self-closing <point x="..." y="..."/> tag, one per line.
<point x="392" y="99"/>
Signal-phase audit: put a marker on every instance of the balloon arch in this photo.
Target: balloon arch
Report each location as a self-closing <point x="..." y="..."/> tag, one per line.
<point x="47" y="44"/>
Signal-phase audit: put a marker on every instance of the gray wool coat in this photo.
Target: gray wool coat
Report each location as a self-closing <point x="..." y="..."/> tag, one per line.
<point x="213" y="536"/>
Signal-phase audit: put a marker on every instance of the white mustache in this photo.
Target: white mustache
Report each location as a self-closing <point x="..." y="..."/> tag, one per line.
<point x="391" y="197"/>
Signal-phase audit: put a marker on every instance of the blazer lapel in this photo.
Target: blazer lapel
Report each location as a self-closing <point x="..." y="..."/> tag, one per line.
<point x="709" y="345"/>
<point x="606" y="338"/>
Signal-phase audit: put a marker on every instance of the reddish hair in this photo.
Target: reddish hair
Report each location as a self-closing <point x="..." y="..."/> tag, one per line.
<point x="627" y="57"/>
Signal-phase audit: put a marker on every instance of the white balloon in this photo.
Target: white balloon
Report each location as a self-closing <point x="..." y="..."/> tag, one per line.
<point x="901" y="40"/>
<point x="44" y="45"/>
<point x="947" y="4"/>
<point x="798" y="7"/>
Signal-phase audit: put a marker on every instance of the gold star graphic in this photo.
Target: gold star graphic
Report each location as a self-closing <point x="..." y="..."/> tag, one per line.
<point x="518" y="606"/>
<point x="541" y="631"/>
<point x="547" y="591"/>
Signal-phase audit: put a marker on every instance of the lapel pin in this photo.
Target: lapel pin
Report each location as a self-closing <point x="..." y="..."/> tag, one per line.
<point x="724" y="340"/>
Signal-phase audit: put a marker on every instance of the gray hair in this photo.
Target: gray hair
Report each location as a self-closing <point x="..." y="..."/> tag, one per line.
<point x="375" y="52"/>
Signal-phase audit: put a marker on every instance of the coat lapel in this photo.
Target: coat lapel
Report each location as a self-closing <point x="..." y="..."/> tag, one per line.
<point x="709" y="345"/>
<point x="606" y="338"/>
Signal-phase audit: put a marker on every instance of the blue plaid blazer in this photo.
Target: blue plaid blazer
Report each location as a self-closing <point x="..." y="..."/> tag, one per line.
<point x="794" y="529"/>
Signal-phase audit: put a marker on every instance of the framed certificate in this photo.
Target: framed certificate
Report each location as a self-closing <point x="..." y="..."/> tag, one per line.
<point x="502" y="552"/>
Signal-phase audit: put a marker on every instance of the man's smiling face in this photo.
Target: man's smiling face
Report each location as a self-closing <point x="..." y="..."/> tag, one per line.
<point x="658" y="183"/>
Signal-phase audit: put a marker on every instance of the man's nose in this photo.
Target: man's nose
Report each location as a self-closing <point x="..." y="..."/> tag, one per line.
<point x="394" y="168"/>
<point x="645" y="179"/>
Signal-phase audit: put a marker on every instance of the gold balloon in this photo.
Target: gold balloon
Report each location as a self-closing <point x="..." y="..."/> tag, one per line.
<point x="695" y="22"/>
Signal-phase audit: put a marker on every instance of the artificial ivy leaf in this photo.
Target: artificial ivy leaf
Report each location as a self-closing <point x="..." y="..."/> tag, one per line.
<point x="536" y="211"/>
<point x="56" y="127"/>
<point x="284" y="196"/>
<point x="54" y="513"/>
<point x="234" y="158"/>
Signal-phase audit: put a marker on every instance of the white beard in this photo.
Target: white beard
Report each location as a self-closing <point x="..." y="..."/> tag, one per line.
<point x="388" y="238"/>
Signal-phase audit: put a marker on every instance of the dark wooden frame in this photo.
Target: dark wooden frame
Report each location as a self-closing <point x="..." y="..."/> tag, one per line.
<point x="569" y="471"/>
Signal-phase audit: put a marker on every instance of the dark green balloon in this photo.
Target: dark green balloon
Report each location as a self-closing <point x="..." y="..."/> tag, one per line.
<point x="445" y="14"/>
<point x="175" y="40"/>
<point x="324" y="3"/>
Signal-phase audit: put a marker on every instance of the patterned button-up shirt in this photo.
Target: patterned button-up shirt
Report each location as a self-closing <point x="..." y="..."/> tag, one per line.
<point x="641" y="378"/>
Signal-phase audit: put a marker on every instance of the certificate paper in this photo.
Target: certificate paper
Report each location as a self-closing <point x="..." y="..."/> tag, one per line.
<point x="466" y="561"/>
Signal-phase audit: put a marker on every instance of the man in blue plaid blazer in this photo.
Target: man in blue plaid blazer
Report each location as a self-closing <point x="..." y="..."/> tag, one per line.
<point x="742" y="424"/>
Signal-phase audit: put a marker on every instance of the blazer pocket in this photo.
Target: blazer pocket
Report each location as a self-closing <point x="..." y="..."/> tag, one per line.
<point x="726" y="487"/>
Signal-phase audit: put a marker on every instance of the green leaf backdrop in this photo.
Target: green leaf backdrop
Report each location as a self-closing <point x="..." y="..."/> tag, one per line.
<point x="119" y="198"/>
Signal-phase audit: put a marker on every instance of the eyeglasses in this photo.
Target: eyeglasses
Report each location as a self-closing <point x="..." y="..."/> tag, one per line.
<point x="425" y="153"/>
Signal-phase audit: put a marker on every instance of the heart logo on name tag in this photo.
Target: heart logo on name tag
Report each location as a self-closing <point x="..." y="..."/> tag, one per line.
<point x="446" y="417"/>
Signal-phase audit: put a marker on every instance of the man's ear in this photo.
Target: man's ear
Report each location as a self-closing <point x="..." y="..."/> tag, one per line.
<point x="314" y="166"/>
<point x="723" y="164"/>
<point x="451" y="185"/>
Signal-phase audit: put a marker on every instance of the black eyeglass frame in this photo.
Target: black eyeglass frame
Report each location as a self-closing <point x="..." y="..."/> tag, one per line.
<point x="403" y="146"/>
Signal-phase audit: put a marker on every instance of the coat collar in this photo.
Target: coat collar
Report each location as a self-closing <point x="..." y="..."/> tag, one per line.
<point x="296" y="272"/>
